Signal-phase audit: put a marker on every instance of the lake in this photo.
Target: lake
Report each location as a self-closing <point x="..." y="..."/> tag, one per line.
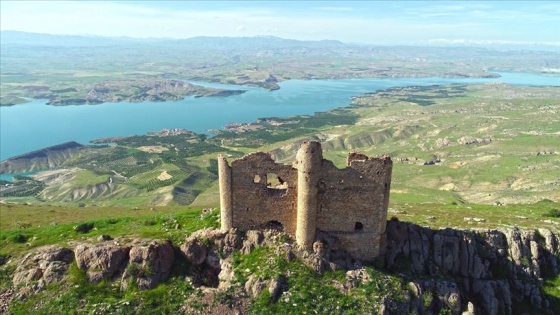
<point x="35" y="125"/>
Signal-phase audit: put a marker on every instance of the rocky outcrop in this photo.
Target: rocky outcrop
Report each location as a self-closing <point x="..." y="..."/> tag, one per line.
<point x="461" y="271"/>
<point x="101" y="261"/>
<point x="491" y="269"/>
<point x="210" y="251"/>
<point x="35" y="271"/>
<point x="466" y="140"/>
<point x="148" y="265"/>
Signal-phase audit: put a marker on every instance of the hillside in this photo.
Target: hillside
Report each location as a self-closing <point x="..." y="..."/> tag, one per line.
<point x="489" y="144"/>
<point x="179" y="263"/>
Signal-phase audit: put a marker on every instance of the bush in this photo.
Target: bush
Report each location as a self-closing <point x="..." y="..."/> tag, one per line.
<point x="554" y="213"/>
<point x="18" y="238"/>
<point x="84" y="227"/>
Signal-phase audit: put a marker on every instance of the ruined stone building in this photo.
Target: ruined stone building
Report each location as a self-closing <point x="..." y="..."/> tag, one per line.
<point x="309" y="196"/>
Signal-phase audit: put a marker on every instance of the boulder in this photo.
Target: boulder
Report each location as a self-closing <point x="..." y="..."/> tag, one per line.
<point x="254" y="238"/>
<point x="194" y="251"/>
<point x="149" y="265"/>
<point x="101" y="261"/>
<point x="43" y="268"/>
<point x="104" y="238"/>
<point x="276" y="287"/>
<point x="255" y="285"/>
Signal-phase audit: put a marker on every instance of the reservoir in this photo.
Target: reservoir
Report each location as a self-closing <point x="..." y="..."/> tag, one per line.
<point x="35" y="125"/>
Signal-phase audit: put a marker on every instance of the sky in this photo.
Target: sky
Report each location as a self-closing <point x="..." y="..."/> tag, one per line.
<point x="369" y="22"/>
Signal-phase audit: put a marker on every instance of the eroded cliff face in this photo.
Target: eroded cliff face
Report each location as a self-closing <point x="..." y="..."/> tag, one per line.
<point x="495" y="271"/>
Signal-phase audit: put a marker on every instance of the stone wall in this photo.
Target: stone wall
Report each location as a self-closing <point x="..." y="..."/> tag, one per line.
<point x="353" y="204"/>
<point x="311" y="195"/>
<point x="256" y="204"/>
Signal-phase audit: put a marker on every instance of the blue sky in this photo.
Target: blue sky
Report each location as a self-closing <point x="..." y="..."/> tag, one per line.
<point x="373" y="22"/>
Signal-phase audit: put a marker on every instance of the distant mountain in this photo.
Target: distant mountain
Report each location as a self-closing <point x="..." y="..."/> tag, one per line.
<point x="25" y="38"/>
<point x="254" y="42"/>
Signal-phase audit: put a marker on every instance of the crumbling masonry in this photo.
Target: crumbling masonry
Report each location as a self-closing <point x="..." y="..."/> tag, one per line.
<point x="309" y="196"/>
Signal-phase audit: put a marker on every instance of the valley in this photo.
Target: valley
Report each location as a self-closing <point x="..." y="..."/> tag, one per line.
<point x="506" y="159"/>
<point x="475" y="194"/>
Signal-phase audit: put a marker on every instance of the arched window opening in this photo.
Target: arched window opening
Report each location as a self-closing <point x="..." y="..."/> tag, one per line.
<point x="274" y="225"/>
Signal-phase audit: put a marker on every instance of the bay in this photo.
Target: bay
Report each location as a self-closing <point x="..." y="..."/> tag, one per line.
<point x="35" y="125"/>
<point x="10" y="177"/>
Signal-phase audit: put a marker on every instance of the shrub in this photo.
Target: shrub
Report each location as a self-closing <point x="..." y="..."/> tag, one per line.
<point x="150" y="222"/>
<point x="18" y="237"/>
<point x="84" y="227"/>
<point x="139" y="271"/>
<point x="554" y="213"/>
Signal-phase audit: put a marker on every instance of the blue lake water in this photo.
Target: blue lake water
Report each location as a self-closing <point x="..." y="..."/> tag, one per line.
<point x="10" y="177"/>
<point x="34" y="125"/>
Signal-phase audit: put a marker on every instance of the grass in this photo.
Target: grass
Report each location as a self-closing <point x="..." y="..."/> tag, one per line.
<point x="552" y="290"/>
<point x="309" y="290"/>
<point x="104" y="297"/>
<point x="86" y="178"/>
<point x="171" y="223"/>
<point x="468" y="216"/>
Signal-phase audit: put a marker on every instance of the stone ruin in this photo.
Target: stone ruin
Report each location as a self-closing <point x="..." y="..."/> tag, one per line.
<point x="310" y="196"/>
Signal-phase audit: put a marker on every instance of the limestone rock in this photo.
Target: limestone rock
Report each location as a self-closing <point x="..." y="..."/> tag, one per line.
<point x="255" y="285"/>
<point x="277" y="287"/>
<point x="42" y="268"/>
<point x="213" y="260"/>
<point x="254" y="238"/>
<point x="491" y="268"/>
<point x="149" y="265"/>
<point x="104" y="238"/>
<point x="226" y="275"/>
<point x="355" y="277"/>
<point x="195" y="251"/>
<point x="449" y="295"/>
<point x="101" y="261"/>
<point x="470" y="309"/>
<point x="231" y="241"/>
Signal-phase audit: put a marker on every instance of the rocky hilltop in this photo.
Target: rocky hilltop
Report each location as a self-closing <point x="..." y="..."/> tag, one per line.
<point x="135" y="91"/>
<point x="457" y="271"/>
<point x="47" y="158"/>
<point x="490" y="271"/>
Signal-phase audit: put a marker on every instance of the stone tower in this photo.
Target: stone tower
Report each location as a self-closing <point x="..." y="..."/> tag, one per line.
<point x="311" y="194"/>
<point x="226" y="201"/>
<point x="308" y="163"/>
